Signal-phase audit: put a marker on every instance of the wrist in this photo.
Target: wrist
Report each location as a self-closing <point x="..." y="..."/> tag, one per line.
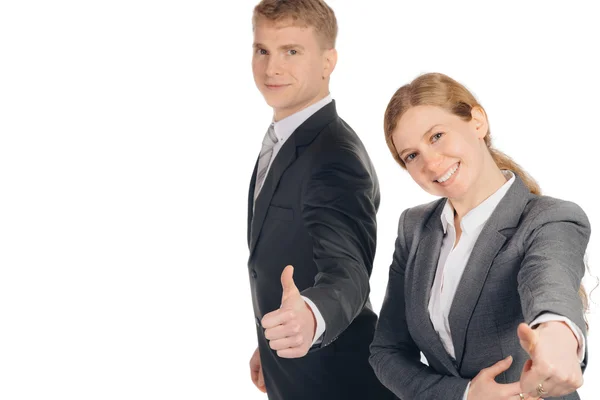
<point x="562" y="329"/>
<point x="314" y="319"/>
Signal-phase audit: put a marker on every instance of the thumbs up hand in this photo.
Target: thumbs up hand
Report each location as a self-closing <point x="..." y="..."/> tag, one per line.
<point x="553" y="368"/>
<point x="290" y="329"/>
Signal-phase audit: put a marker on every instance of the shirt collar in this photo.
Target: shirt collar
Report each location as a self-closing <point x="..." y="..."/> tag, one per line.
<point x="287" y="126"/>
<point x="480" y="214"/>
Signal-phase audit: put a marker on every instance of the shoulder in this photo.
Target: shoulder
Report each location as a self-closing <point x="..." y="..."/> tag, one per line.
<point x="338" y="145"/>
<point x="421" y="214"/>
<point x="541" y="210"/>
<point x="414" y="220"/>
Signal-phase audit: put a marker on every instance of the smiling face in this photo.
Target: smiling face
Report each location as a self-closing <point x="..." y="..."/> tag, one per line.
<point x="443" y="153"/>
<point x="291" y="69"/>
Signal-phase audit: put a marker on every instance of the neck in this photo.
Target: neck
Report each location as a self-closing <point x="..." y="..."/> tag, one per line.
<point x="281" y="113"/>
<point x="489" y="181"/>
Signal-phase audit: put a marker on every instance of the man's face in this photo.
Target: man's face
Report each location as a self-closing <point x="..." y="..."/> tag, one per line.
<point x="290" y="66"/>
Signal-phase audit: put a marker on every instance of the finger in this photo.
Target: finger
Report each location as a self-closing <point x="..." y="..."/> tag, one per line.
<point x="499" y="367"/>
<point x="295" y="352"/>
<point x="565" y="379"/>
<point x="261" y="381"/>
<point x="286" y="343"/>
<point x="553" y="378"/>
<point x="509" y="389"/>
<point x="528" y="338"/>
<point x="557" y="388"/>
<point x="526" y="396"/>
<point x="530" y="378"/>
<point x="282" y="331"/>
<point x="255" y="362"/>
<point x="527" y="366"/>
<point x="254" y="375"/>
<point x="288" y="284"/>
<point x="277" y="317"/>
<point x="546" y="386"/>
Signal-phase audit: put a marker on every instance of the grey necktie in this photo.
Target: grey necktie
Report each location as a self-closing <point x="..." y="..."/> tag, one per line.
<point x="263" y="159"/>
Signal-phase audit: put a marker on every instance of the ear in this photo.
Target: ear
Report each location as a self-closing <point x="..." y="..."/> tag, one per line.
<point x="479" y="122"/>
<point x="329" y="62"/>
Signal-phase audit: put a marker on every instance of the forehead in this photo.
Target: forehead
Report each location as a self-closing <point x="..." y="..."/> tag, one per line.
<point x="283" y="32"/>
<point x="418" y="120"/>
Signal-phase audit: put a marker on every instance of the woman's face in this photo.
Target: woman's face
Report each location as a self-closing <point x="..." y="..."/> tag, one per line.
<point x="443" y="153"/>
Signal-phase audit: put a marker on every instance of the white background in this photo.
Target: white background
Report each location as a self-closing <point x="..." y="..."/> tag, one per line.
<point x="128" y="134"/>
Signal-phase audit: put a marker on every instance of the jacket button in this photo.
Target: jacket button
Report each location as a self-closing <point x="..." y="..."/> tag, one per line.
<point x="254" y="275"/>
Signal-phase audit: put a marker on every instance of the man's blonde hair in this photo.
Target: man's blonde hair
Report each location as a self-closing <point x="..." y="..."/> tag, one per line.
<point x="314" y="13"/>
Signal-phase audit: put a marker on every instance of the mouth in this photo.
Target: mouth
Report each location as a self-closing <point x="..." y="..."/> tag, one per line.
<point x="275" y="87"/>
<point x="448" y="174"/>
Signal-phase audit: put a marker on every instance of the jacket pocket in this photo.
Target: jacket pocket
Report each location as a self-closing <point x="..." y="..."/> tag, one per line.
<point x="281" y="213"/>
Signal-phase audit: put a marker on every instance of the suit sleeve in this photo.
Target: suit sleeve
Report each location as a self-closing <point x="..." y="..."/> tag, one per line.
<point x="395" y="357"/>
<point x="553" y="264"/>
<point x="339" y="206"/>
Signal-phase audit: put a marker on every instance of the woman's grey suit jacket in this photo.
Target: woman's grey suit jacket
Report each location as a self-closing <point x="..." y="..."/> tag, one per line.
<point x="528" y="260"/>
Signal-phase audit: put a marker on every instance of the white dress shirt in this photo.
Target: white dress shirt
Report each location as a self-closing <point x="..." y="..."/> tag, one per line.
<point x="453" y="260"/>
<point x="283" y="130"/>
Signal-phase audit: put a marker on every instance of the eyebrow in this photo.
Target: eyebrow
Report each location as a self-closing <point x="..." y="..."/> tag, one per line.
<point x="284" y="47"/>
<point x="426" y="132"/>
<point x="292" y="46"/>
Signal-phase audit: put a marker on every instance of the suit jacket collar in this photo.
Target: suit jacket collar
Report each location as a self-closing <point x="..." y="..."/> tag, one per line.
<point x="285" y="127"/>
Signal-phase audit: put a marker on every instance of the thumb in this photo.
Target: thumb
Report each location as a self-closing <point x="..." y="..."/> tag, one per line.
<point x="287" y="283"/>
<point x="500" y="366"/>
<point x="528" y="338"/>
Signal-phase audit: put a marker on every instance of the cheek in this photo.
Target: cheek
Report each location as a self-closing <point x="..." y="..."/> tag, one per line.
<point x="311" y="72"/>
<point x="456" y="148"/>
<point x="257" y="70"/>
<point x="414" y="170"/>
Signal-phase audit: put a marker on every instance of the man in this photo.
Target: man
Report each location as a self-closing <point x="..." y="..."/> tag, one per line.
<point x="312" y="205"/>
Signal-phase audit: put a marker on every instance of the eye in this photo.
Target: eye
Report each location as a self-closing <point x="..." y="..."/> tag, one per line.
<point x="262" y="52"/>
<point x="410" y="157"/>
<point x="292" y="52"/>
<point x="436" y="137"/>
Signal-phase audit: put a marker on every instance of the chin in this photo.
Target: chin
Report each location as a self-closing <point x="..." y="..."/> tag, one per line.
<point x="453" y="192"/>
<point x="432" y="190"/>
<point x="274" y="101"/>
<point x="457" y="192"/>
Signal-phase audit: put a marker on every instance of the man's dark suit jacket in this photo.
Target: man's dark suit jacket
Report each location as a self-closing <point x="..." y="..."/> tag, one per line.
<point x="316" y="211"/>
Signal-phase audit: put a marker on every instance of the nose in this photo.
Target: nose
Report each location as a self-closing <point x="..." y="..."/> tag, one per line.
<point x="273" y="66"/>
<point x="431" y="161"/>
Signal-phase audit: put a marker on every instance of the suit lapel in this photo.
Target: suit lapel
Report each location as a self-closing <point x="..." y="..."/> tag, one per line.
<point x="488" y="244"/>
<point x="302" y="136"/>
<point x="486" y="247"/>
<point x="426" y="260"/>
<point x="251" y="202"/>
<point x="282" y="161"/>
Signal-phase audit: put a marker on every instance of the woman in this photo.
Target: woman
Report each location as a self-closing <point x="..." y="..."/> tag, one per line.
<point x="484" y="282"/>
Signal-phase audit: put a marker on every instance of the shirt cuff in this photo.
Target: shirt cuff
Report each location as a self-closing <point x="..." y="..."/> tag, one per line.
<point x="547" y="317"/>
<point x="467" y="391"/>
<point x="320" y="321"/>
